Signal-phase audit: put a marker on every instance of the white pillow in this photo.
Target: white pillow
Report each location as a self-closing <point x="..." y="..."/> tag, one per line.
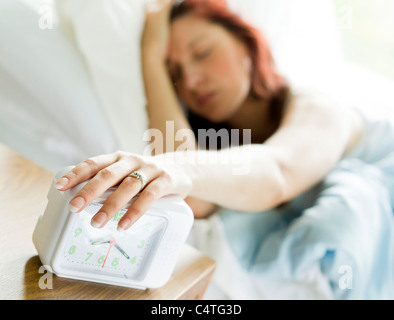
<point x="108" y="34"/>
<point x="303" y="35"/>
<point x="48" y="109"/>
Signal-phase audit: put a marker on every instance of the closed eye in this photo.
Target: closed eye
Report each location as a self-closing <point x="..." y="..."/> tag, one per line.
<point x="202" y="54"/>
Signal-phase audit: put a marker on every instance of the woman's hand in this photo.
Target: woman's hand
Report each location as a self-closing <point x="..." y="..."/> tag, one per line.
<point x="156" y="32"/>
<point x="106" y="171"/>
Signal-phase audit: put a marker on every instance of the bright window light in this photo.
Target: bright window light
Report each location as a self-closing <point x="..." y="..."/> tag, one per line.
<point x="367" y="29"/>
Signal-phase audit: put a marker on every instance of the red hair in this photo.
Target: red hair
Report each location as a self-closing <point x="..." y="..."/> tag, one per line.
<point x="266" y="83"/>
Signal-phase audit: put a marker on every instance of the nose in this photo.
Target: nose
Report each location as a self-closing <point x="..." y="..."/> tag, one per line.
<point x="193" y="78"/>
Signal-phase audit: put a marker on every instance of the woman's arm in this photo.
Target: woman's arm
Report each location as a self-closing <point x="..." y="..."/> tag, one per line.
<point x="314" y="135"/>
<point x="162" y="102"/>
<point x="163" y="105"/>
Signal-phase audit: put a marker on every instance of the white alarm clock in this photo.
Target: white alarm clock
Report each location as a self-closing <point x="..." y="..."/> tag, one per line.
<point x="142" y="257"/>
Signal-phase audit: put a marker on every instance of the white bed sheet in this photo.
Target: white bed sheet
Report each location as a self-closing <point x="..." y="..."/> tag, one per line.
<point x="231" y="281"/>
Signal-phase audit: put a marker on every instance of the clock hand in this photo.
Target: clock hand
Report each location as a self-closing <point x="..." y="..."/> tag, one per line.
<point x="97" y="243"/>
<point x="100" y="241"/>
<point x="111" y="244"/>
<point x="122" y="251"/>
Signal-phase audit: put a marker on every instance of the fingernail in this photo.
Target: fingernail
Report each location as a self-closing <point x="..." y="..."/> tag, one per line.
<point x="61" y="183"/>
<point x="124" y="224"/>
<point x="76" y="204"/>
<point x="98" y="220"/>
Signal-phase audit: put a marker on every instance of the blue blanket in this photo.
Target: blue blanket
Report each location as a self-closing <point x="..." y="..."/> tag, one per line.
<point x="345" y="225"/>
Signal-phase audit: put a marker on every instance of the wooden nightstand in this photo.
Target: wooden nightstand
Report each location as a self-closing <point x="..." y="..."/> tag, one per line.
<point x="23" y="190"/>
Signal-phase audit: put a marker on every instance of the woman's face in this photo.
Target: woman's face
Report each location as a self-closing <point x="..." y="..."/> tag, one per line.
<point x="211" y="69"/>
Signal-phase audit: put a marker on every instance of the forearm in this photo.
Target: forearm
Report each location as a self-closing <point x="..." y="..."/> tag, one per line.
<point x="164" y="110"/>
<point x="245" y="178"/>
<point x="163" y="106"/>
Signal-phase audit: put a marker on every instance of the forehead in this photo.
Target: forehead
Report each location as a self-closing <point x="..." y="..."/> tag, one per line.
<point x="187" y="31"/>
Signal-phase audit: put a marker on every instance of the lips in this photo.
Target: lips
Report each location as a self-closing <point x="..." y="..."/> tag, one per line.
<point x="204" y="99"/>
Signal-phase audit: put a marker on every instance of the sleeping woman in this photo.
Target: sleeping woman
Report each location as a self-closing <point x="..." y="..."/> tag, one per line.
<point x="206" y="68"/>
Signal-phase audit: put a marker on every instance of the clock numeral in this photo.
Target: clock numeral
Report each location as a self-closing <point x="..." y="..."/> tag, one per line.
<point x="89" y="256"/>
<point x="77" y="232"/>
<point x="115" y="262"/>
<point x="118" y="215"/>
<point x="72" y="250"/>
<point x="101" y="260"/>
<point x="141" y="244"/>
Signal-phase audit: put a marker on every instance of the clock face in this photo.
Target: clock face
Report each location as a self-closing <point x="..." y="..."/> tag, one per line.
<point x="107" y="252"/>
